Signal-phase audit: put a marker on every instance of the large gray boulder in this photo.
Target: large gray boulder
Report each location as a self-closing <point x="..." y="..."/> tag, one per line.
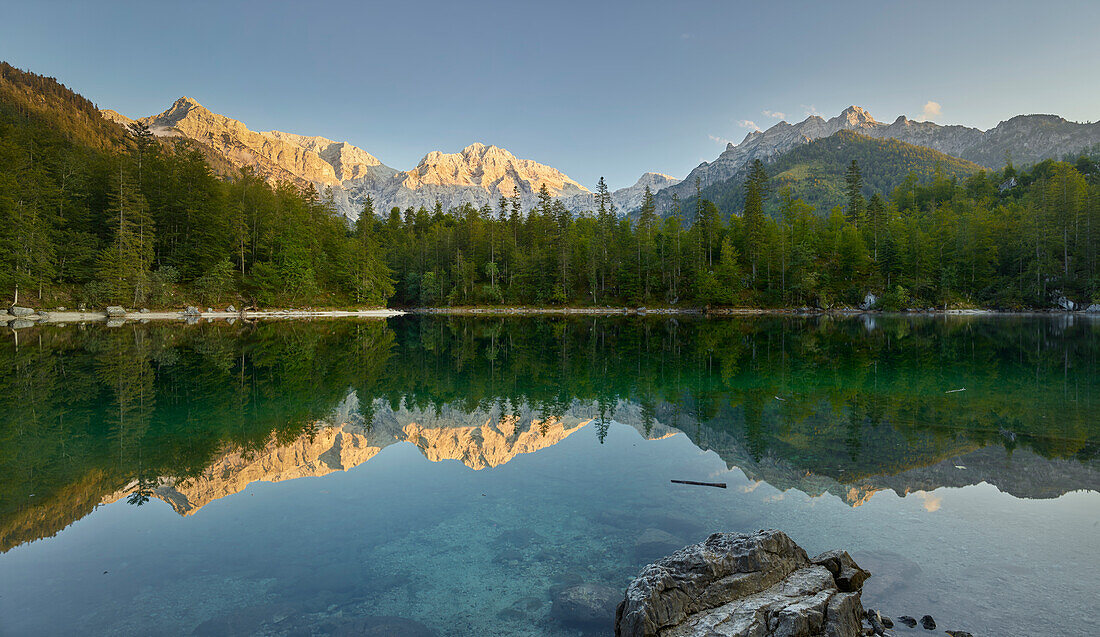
<point x="1093" y="309"/>
<point x="192" y="311"/>
<point x="20" y="312"/>
<point x="1065" y="304"/>
<point x="116" y="311"/>
<point x="745" y="585"/>
<point x="869" y="302"/>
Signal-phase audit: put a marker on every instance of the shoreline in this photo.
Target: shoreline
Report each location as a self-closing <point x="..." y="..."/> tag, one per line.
<point x="101" y="316"/>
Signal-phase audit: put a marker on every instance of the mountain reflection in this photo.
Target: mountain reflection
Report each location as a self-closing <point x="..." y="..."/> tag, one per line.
<point x="190" y="414"/>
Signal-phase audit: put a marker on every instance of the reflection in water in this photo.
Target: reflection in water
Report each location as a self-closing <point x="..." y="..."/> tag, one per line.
<point x="848" y="407"/>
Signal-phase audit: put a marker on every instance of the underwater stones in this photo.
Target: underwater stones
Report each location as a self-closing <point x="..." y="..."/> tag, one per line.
<point x="519" y="538"/>
<point x="116" y="311"/>
<point x="958" y="633"/>
<point x="927" y="623"/>
<point x="734" y="584"/>
<point x="908" y="621"/>
<point x="588" y="604"/>
<point x="653" y="543"/>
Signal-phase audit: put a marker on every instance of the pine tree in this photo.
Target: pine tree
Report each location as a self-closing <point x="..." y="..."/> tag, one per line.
<point x="854" y="180"/>
<point x="755" y="191"/>
<point x="125" y="262"/>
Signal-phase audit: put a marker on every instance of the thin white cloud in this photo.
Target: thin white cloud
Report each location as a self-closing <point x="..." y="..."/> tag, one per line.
<point x="749" y="124"/>
<point x="775" y="114"/>
<point x="720" y="140"/>
<point x="931" y="109"/>
<point x="811" y="110"/>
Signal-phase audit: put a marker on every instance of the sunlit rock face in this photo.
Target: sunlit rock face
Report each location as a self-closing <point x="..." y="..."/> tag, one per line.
<point x="478" y="175"/>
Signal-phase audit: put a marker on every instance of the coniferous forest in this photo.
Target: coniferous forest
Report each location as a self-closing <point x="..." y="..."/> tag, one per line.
<point x="93" y="214"/>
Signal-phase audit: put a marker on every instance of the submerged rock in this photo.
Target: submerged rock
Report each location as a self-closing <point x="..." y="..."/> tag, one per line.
<point x="585" y="605"/>
<point x="908" y="621"/>
<point x="733" y="584"/>
<point x="928" y="623"/>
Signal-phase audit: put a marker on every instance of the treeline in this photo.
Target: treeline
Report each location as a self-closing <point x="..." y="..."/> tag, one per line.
<point x="89" y="220"/>
<point x="1008" y="239"/>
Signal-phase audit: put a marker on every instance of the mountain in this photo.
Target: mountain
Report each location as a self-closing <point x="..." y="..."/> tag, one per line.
<point x="815" y="171"/>
<point x="625" y="199"/>
<point x="1027" y="138"/>
<point x="478" y="174"/>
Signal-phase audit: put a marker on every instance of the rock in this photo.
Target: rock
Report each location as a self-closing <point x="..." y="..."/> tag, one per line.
<point x="1063" y="303"/>
<point x="869" y="302"/>
<point x="143" y="310"/>
<point x="115" y="311"/>
<point x="733" y="584"/>
<point x="653" y="543"/>
<point x="849" y="576"/>
<point x="61" y="308"/>
<point x="42" y="315"/>
<point x="20" y="312"/>
<point x="908" y="621"/>
<point x="928" y="623"/>
<point x="585" y="605"/>
<point x="209" y="309"/>
<point x="116" y="322"/>
<point x="231" y="309"/>
<point x="1093" y="309"/>
<point x="192" y="311"/>
<point x="958" y="633"/>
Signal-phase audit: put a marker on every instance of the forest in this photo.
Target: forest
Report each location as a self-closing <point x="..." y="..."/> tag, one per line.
<point x="91" y="214"/>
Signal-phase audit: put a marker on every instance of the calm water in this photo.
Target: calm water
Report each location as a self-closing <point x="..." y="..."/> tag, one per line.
<point x="447" y="475"/>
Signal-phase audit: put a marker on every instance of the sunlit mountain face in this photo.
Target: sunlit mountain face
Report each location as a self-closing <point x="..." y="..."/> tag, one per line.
<point x="870" y="429"/>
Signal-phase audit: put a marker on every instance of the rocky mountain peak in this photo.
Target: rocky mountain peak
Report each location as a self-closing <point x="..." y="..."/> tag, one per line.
<point x="857" y="116"/>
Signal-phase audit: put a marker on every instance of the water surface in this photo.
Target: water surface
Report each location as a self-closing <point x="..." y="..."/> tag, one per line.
<point x="447" y="475"/>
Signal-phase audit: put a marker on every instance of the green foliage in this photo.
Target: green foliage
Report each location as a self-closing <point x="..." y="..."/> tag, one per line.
<point x="818" y="172"/>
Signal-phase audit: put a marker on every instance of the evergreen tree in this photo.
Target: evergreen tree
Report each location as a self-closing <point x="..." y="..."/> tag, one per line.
<point x="854" y="182"/>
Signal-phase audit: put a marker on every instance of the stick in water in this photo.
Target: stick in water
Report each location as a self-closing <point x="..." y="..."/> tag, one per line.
<point x="720" y="485"/>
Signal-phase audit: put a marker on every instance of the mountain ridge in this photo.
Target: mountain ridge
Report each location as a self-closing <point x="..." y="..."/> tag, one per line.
<point x="478" y="174"/>
<point x="1026" y="138"/>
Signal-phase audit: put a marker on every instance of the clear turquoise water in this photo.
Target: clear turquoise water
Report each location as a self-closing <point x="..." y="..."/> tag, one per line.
<point x="311" y="478"/>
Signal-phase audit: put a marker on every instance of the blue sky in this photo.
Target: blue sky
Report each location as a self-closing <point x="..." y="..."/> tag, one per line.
<point x="592" y="88"/>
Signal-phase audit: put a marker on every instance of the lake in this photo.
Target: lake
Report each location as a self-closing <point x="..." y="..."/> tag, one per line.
<point x="433" y="475"/>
